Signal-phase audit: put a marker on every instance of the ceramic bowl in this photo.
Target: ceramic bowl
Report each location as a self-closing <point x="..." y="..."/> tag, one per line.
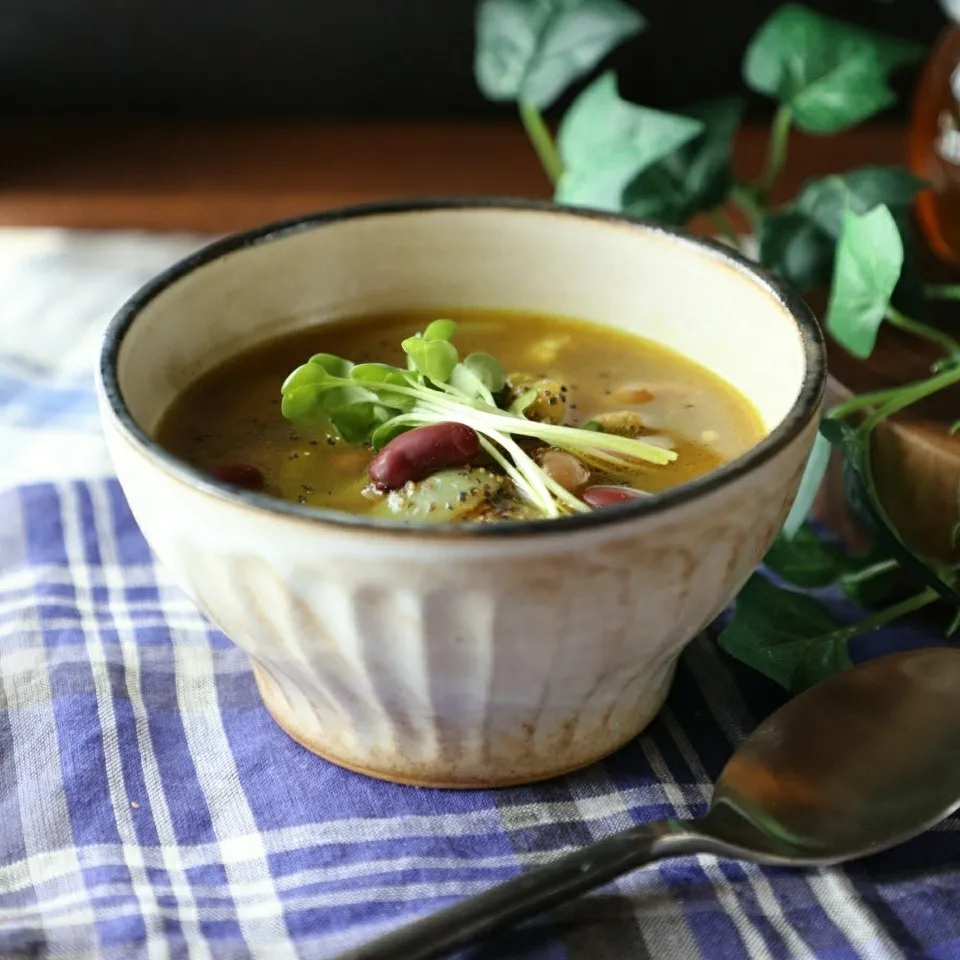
<point x="463" y="656"/>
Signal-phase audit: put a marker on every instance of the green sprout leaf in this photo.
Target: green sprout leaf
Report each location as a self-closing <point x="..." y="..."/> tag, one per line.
<point x="382" y="373"/>
<point x="355" y="421"/>
<point x="387" y="431"/>
<point x="379" y="373"/>
<point x="479" y="377"/>
<point x="696" y="176"/>
<point x="440" y="330"/>
<point x="532" y="50"/>
<point x="305" y="375"/>
<point x="791" y="638"/>
<point x="469" y="384"/>
<point x="605" y="142"/>
<point x="301" y="403"/>
<point x="374" y="402"/>
<point x="487" y="370"/>
<point x="335" y="366"/>
<point x="868" y="263"/>
<point x="829" y="74"/>
<point x="434" y="359"/>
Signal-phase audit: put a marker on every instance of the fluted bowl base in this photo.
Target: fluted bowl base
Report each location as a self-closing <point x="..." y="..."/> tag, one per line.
<point x="415" y="774"/>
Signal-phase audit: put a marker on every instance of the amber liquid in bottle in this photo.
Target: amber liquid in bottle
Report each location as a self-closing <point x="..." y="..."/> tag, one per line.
<point x="934" y="147"/>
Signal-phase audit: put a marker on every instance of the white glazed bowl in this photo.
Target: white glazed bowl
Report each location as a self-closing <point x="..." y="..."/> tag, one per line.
<point x="462" y="655"/>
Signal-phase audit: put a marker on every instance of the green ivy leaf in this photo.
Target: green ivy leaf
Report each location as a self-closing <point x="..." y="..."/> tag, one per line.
<point x="810" y="483"/>
<point x="532" y="50"/>
<point x="830" y="74"/>
<point x="799" y="243"/>
<point x="910" y="294"/>
<point x="867" y="266"/>
<point x="787" y="636"/>
<point x="695" y="177"/>
<point x="860" y="494"/>
<point x="855" y="90"/>
<point x="951" y="8"/>
<point x="805" y="560"/>
<point x="825" y="201"/>
<point x="796" y="249"/>
<point x="605" y="142"/>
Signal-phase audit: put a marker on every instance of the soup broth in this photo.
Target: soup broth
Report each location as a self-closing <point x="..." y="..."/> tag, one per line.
<point x="232" y="417"/>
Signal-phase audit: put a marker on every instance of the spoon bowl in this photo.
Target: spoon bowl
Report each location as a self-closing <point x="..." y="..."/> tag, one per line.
<point x="862" y="761"/>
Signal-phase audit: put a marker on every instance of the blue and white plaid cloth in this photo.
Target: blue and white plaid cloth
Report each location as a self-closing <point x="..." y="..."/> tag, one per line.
<point x="149" y="807"/>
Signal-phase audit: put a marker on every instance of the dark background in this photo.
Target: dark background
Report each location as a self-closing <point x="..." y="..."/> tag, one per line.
<point x="323" y="58"/>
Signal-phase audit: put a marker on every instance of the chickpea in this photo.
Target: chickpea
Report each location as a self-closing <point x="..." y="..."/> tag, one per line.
<point x="565" y="469"/>
<point x="550" y="404"/>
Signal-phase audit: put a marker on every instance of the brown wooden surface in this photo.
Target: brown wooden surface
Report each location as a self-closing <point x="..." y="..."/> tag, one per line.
<point x="219" y="178"/>
<point x="227" y="177"/>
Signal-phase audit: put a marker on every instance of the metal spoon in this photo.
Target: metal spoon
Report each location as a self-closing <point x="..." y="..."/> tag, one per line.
<point x="856" y="764"/>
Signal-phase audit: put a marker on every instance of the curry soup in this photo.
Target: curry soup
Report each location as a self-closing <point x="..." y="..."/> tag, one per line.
<point x="558" y="371"/>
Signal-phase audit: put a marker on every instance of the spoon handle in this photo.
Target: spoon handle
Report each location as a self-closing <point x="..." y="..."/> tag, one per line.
<point x="533" y="892"/>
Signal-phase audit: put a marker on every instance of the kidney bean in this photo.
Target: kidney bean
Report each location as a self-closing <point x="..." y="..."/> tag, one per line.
<point x="422" y="451"/>
<point x="608" y="495"/>
<point x="243" y="475"/>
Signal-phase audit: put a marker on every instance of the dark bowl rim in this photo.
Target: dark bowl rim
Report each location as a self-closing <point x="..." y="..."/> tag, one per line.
<point x="805" y="406"/>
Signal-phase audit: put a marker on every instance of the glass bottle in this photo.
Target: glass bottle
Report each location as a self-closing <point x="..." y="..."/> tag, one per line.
<point x="934" y="144"/>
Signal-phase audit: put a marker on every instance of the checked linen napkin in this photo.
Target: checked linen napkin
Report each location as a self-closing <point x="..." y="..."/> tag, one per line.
<point x="149" y="807"/>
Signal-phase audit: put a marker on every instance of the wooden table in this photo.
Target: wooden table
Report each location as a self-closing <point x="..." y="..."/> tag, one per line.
<point x="225" y="177"/>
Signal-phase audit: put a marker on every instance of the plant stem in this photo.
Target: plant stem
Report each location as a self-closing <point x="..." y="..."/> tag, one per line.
<point x="881" y="617"/>
<point x="942" y="291"/>
<point x="725" y="227"/>
<point x="862" y="401"/>
<point x="776" y="150"/>
<point x="868" y="573"/>
<point x="905" y="323"/>
<point x="542" y="140"/>
<point x="743" y="198"/>
<point x="910" y="394"/>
